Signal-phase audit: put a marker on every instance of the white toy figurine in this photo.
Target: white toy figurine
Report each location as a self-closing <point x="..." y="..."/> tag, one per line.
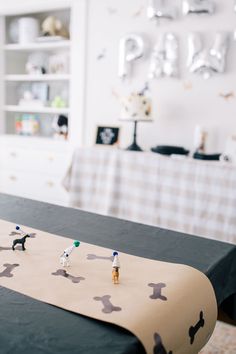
<point x="64" y="259"/>
<point x="115" y="268"/>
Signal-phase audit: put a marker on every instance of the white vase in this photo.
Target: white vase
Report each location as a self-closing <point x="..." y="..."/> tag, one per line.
<point x="28" y="29"/>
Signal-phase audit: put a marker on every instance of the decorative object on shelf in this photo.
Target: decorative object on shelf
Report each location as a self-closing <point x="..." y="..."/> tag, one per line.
<point x="53" y="27"/>
<point x="60" y="127"/>
<point x="58" y="63"/>
<point x="28" y="29"/>
<point x="170" y="150"/>
<point x="28" y="100"/>
<point x="35" y="94"/>
<point x="40" y="91"/>
<point x="107" y="135"/>
<point x="131" y="48"/>
<point x="198" y="7"/>
<point x="207" y="62"/>
<point x="136" y="108"/>
<point x="27" y="124"/>
<point x="58" y="102"/>
<point x="37" y="64"/>
<point x="200" y="136"/>
<point x="164" y="58"/>
<point x="13" y="31"/>
<point x="161" y="9"/>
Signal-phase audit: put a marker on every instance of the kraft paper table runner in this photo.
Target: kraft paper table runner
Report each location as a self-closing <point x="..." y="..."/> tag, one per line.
<point x="168" y="306"/>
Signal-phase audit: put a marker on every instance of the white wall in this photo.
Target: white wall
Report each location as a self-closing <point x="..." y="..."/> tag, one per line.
<point x="176" y="110"/>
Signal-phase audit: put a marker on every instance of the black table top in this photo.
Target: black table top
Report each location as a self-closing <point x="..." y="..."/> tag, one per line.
<point x="30" y="326"/>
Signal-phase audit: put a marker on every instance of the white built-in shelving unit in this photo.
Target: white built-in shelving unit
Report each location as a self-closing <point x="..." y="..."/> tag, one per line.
<point x="20" y="155"/>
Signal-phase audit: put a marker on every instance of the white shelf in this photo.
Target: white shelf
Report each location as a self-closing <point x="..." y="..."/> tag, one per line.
<point x="46" y="77"/>
<point x="38" y="46"/>
<point x="25" y="109"/>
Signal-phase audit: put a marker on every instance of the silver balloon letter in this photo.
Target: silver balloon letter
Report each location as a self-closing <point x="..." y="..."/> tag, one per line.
<point x="198" y="7"/>
<point x="131" y="48"/>
<point x="158" y="9"/>
<point x="164" y="59"/>
<point x="205" y="61"/>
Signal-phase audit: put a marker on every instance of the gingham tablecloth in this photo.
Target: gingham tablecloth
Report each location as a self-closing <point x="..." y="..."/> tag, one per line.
<point x="191" y="196"/>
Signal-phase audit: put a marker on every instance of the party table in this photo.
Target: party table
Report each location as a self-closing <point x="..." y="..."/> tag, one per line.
<point x="30" y="326"/>
<point x="183" y="194"/>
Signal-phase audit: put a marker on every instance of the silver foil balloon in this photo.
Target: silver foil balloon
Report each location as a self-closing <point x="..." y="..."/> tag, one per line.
<point x="164" y="58"/>
<point x="198" y="7"/>
<point x="158" y="9"/>
<point x="131" y="48"/>
<point x="207" y="61"/>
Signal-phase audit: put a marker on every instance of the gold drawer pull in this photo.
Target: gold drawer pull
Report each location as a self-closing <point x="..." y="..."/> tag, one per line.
<point x="13" y="178"/>
<point x="50" y="184"/>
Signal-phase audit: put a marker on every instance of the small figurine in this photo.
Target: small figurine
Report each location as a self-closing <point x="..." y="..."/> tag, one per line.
<point x="115" y="268"/>
<point x="22" y="240"/>
<point x="52" y="27"/>
<point x="60" y="126"/>
<point x="64" y="259"/>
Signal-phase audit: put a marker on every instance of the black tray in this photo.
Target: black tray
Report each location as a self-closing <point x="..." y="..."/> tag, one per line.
<point x="169" y="150"/>
<point x="208" y="157"/>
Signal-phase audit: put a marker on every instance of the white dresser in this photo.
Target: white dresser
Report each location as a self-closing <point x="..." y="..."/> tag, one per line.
<point x="34" y="168"/>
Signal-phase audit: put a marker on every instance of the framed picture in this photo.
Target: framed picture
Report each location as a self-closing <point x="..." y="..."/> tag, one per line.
<point x="107" y="135"/>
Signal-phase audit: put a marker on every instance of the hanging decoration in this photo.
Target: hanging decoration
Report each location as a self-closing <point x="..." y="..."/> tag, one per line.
<point x="138" y="12"/>
<point x="207" y="61"/>
<point x="131" y="48"/>
<point x="164" y="58"/>
<point x="160" y="9"/>
<point x="198" y="7"/>
<point x="228" y="95"/>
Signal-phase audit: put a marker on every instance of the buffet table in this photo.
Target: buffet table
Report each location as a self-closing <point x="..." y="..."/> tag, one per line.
<point x="27" y="325"/>
<point x="191" y="196"/>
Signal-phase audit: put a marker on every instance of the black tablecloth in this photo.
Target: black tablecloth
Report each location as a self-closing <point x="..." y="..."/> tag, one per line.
<point x="30" y="326"/>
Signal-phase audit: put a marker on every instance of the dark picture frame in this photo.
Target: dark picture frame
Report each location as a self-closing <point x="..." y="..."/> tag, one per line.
<point x="107" y="135"/>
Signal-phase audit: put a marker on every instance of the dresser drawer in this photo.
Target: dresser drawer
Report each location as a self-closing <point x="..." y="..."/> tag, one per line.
<point x="44" y="161"/>
<point x="34" y="186"/>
